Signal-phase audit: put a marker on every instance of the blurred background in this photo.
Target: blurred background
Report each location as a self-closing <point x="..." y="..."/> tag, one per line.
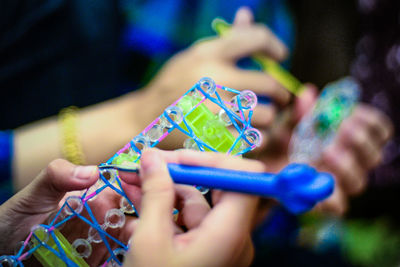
<point x="58" y="53"/>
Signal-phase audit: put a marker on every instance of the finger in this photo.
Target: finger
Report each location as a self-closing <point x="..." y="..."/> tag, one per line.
<point x="233" y="209"/>
<point x="265" y="143"/>
<point x="49" y="187"/>
<point x="263" y="210"/>
<point x="192" y="205"/>
<point x="61" y="176"/>
<point x="245" y="255"/>
<point x="239" y="208"/>
<point x="245" y="41"/>
<point x="243" y="17"/>
<point x="64" y="176"/>
<point x="354" y="137"/>
<point x="230" y="220"/>
<point x="130" y="178"/>
<point x="336" y="204"/>
<point x="263" y="116"/>
<point x="346" y="169"/>
<point x="131" y="184"/>
<point x="158" y="197"/>
<point x="304" y="102"/>
<point x="376" y="122"/>
<point x="134" y="193"/>
<point x="130" y="228"/>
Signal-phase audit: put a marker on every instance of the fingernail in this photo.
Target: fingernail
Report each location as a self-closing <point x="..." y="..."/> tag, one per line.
<point x="84" y="172"/>
<point x="150" y="162"/>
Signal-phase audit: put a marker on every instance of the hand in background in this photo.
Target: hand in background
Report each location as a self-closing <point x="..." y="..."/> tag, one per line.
<point x="216" y="237"/>
<point x="216" y="58"/>
<point x="355" y="151"/>
<point x="38" y="143"/>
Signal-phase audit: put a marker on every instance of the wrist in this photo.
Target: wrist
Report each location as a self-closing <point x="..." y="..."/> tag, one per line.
<point x="107" y="127"/>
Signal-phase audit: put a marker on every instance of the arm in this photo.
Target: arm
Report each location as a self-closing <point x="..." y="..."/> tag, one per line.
<point x="106" y="127"/>
<point x="102" y="129"/>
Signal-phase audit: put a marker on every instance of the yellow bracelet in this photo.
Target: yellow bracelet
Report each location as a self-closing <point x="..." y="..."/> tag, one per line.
<point x="70" y="145"/>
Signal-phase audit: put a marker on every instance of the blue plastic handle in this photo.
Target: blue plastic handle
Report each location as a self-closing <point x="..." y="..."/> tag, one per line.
<point x="298" y="186"/>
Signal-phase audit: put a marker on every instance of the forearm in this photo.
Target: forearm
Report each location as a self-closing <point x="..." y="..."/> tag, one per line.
<point x="102" y="130"/>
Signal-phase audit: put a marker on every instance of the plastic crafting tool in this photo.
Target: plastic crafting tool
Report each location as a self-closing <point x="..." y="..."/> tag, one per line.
<point x="221" y="27"/>
<point x="298" y="186"/>
<point x="318" y="128"/>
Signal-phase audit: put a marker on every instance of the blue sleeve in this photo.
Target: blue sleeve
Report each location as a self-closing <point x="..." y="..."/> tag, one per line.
<point x="6" y="155"/>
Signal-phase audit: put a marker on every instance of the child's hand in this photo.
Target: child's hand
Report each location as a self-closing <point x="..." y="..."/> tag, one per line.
<point x="216" y="237"/>
<point x="356" y="150"/>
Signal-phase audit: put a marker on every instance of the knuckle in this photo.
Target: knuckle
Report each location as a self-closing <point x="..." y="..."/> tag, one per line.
<point x="329" y="157"/>
<point x="263" y="33"/>
<point x="360" y="138"/>
<point x="347" y="129"/>
<point x="357" y="185"/>
<point x="53" y="167"/>
<point x="197" y="51"/>
<point x="360" y="186"/>
<point x="277" y="90"/>
<point x="375" y="122"/>
<point x="205" y="48"/>
<point x="376" y="159"/>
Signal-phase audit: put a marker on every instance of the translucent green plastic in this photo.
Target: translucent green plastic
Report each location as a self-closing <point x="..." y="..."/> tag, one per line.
<point x="207" y="126"/>
<point x="48" y="259"/>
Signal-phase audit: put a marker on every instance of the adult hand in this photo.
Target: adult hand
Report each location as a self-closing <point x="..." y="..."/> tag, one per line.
<point x="216" y="237"/>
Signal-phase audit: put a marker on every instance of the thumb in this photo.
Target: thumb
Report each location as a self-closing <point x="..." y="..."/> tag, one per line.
<point x="61" y="176"/>
<point x="244" y="17"/>
<point x="49" y="187"/>
<point x="158" y="195"/>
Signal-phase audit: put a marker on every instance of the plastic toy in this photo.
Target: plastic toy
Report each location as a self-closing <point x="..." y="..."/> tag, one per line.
<point x="191" y="116"/>
<point x="298" y="187"/>
<point x="318" y="128"/>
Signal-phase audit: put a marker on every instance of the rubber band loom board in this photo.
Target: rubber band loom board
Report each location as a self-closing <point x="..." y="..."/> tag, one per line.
<point x="191" y="116"/>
